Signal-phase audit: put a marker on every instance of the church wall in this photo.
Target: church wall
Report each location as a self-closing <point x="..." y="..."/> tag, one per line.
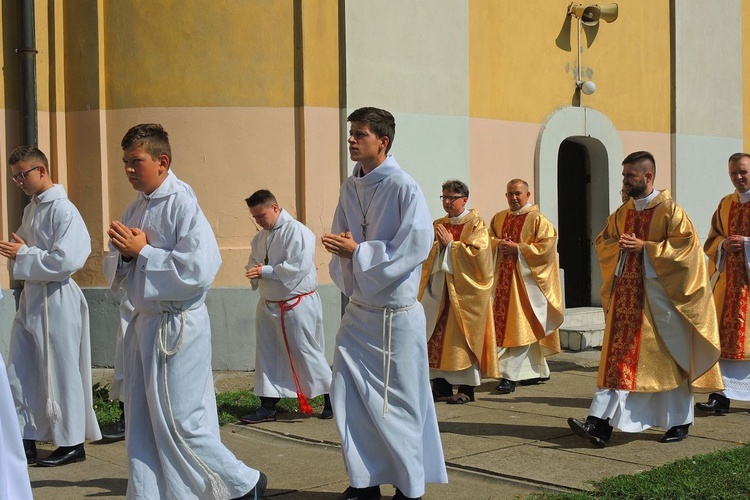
<point x="254" y="93"/>
<point x="411" y="58"/>
<point x="708" y="103"/>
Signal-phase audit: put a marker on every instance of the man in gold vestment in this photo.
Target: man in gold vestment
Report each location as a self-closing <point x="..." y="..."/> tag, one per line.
<point x="661" y="341"/>
<point x="728" y="249"/>
<point x="456" y="293"/>
<point x="528" y="307"/>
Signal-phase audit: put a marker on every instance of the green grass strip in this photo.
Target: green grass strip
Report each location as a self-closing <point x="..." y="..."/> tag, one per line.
<point x="723" y="474"/>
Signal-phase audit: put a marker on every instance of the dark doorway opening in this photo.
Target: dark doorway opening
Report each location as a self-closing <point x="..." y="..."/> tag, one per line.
<point x="574" y="245"/>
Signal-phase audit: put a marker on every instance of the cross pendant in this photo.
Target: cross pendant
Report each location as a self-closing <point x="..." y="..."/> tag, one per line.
<point x="364" y="229"/>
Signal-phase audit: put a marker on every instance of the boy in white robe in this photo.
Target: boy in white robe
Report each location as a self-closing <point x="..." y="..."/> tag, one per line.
<point x="14" y="476"/>
<point x="381" y="233"/>
<point x="116" y="431"/>
<point x="290" y="358"/>
<point x="49" y="367"/>
<point x="166" y="249"/>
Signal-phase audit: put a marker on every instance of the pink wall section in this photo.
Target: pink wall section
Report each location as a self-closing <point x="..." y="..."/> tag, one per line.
<point x="322" y="179"/>
<point x="659" y="145"/>
<point x="502" y="150"/>
<point x="499" y="151"/>
<point x="225" y="154"/>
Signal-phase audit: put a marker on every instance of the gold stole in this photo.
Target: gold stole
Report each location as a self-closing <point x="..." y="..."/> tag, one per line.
<point x="506" y="271"/>
<point x="621" y="360"/>
<point x="732" y="326"/>
<point x="435" y="344"/>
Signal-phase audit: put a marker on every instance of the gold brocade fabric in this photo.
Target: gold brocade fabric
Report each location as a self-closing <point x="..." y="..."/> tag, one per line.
<point x="636" y="355"/>
<point x="516" y="323"/>
<point x="465" y="331"/>
<point x="731" y="289"/>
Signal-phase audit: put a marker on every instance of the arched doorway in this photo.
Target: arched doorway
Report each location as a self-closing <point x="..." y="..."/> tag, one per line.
<point x="578" y="178"/>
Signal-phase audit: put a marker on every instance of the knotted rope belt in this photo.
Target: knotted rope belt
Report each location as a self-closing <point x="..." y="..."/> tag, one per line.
<point x="284" y="306"/>
<point x="387" y="334"/>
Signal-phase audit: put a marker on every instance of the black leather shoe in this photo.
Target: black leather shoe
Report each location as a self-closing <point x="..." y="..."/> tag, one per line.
<point x="64" y="455"/>
<point x="115" y="432"/>
<point x="716" y="403"/>
<point x="29" y="446"/>
<point x="596" y="430"/>
<point x="505" y="386"/>
<point x="401" y="496"/>
<point x="260" y="415"/>
<point x="533" y="381"/>
<point x="369" y="493"/>
<point x="327" y="409"/>
<point x="675" y="434"/>
<point x="258" y="491"/>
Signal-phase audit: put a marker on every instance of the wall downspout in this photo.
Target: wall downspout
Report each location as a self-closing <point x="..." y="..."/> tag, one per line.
<point x="27" y="75"/>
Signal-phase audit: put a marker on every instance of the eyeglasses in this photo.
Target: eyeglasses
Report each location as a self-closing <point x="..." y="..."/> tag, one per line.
<point x="451" y="198"/>
<point x="22" y="175"/>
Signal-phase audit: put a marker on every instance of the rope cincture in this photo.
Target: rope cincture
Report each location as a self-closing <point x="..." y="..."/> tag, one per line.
<point x="388" y="313"/>
<point x="54" y="412"/>
<point x="387" y="356"/>
<point x="304" y="404"/>
<point x="216" y="486"/>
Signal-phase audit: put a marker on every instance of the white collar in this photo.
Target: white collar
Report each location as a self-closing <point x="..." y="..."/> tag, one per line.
<point x="640" y="204"/>
<point x="454" y="220"/>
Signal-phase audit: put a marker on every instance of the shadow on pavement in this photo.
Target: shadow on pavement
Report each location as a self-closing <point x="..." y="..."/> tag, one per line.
<point x="544" y="401"/>
<point x="115" y="487"/>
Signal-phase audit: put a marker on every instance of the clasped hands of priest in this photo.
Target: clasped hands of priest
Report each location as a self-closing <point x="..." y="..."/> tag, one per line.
<point x="443" y="236"/>
<point x="129" y="241"/>
<point x="341" y="244"/>
<point x="507" y="247"/>
<point x="629" y="243"/>
<point x="734" y="244"/>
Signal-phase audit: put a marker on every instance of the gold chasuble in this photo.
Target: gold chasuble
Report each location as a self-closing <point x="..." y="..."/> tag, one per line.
<point x="731" y="289"/>
<point x="516" y="323"/>
<point x="659" y="331"/>
<point x="464" y="333"/>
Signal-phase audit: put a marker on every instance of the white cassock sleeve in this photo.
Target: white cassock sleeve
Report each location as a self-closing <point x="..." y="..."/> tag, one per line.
<point x="378" y="264"/>
<point x="186" y="270"/>
<point x="71" y="248"/>
<point x="299" y="250"/>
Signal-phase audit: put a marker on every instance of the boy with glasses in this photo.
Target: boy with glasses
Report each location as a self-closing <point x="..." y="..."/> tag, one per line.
<point x="49" y="367"/>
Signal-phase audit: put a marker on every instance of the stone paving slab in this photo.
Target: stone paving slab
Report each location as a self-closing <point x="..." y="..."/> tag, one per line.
<point x="498" y="447"/>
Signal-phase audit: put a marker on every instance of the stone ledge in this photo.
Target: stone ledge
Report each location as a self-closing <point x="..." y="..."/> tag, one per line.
<point x="582" y="338"/>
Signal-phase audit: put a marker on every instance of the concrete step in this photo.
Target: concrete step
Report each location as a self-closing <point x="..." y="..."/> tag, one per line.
<point x="580" y="338"/>
<point x="582" y="329"/>
<point x="582" y="316"/>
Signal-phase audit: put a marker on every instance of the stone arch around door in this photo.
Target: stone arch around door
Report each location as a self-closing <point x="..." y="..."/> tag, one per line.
<point x="593" y="139"/>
